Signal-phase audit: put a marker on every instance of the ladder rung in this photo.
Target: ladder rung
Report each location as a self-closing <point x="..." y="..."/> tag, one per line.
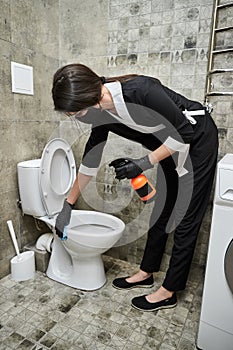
<point x="214" y="71"/>
<point x="219" y="93"/>
<point x="228" y="4"/>
<point x="223" y="50"/>
<point x="223" y="29"/>
<point x="217" y="49"/>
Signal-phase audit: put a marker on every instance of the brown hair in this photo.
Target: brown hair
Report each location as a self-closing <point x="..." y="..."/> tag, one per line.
<point x="76" y="87"/>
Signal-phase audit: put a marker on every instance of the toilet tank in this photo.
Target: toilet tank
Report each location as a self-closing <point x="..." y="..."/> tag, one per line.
<point x="29" y="189"/>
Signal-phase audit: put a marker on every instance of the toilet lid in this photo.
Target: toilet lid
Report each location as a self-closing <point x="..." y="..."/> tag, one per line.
<point x="57" y="174"/>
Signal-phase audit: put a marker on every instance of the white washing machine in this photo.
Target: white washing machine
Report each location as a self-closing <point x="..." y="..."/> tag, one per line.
<point x="216" y="320"/>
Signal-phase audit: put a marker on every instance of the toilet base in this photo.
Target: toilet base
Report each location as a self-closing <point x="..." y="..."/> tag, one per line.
<point x="85" y="274"/>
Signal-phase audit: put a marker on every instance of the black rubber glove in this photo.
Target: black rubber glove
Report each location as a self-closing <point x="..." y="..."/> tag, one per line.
<point x="130" y="168"/>
<point x="63" y="219"/>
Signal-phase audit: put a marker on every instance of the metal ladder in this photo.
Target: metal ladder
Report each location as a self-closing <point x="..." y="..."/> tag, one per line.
<point x="213" y="52"/>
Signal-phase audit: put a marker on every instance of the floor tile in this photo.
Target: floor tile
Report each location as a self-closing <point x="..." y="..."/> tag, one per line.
<point x="41" y="314"/>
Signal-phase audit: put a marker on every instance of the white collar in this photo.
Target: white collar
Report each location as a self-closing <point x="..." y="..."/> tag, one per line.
<point x="122" y="111"/>
<point x="118" y="100"/>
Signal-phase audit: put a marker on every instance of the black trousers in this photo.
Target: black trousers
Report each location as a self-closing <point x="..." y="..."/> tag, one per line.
<point x="181" y="203"/>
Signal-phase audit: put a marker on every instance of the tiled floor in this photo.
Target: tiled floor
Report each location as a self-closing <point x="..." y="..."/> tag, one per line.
<point x="43" y="314"/>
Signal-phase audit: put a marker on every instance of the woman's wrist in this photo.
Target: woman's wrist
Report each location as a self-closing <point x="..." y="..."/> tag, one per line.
<point x="70" y="203"/>
<point x="153" y="159"/>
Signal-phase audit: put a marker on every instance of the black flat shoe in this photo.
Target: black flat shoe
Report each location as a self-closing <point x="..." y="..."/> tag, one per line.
<point x="121" y="283"/>
<point x="142" y="304"/>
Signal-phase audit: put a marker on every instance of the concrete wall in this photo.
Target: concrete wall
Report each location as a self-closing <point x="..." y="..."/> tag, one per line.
<point x="167" y="39"/>
<point x="29" y="34"/>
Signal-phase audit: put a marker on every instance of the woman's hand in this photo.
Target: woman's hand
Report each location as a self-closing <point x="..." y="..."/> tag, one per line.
<point x="130" y="168"/>
<point x="63" y="219"/>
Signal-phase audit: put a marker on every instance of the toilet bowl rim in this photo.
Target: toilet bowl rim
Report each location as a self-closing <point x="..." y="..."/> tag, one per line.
<point x="50" y="221"/>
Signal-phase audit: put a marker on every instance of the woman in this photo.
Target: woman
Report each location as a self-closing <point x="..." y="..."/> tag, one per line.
<point x="181" y="138"/>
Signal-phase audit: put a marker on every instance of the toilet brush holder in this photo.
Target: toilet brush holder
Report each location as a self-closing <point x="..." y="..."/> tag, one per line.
<point x="23" y="266"/>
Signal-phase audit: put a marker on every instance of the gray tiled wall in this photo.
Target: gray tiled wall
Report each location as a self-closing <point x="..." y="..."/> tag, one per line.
<point x="167" y="39"/>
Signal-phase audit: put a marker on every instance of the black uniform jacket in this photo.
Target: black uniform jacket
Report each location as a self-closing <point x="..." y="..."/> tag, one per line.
<point x="150" y="104"/>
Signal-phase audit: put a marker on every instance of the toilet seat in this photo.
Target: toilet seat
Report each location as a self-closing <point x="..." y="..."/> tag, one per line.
<point x="57" y="174"/>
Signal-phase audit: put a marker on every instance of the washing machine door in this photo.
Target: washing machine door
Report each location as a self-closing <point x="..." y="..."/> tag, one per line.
<point x="228" y="265"/>
<point x="57" y="174"/>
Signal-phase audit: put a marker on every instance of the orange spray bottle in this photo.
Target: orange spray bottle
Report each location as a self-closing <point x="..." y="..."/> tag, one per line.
<point x="143" y="188"/>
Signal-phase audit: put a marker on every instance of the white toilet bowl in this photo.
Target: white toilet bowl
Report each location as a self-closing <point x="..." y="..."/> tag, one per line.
<point x="77" y="261"/>
<point x="43" y="186"/>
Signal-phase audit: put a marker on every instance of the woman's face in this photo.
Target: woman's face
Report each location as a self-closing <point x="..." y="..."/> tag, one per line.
<point x="83" y="112"/>
<point x="77" y="115"/>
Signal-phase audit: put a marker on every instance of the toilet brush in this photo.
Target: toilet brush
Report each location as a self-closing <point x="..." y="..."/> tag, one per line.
<point x="12" y="232"/>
